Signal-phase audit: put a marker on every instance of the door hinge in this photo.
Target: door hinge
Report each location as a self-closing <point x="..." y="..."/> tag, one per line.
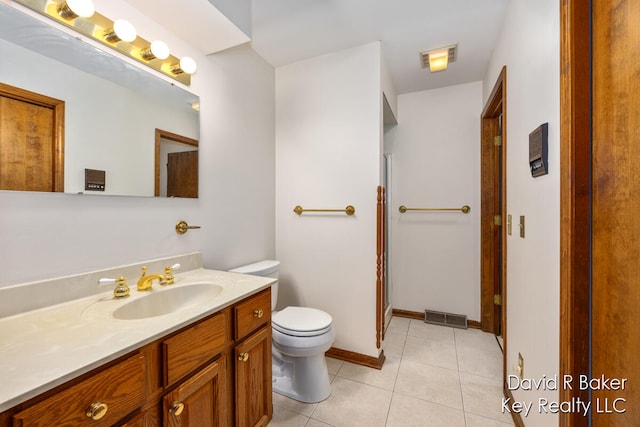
<point x="497" y="141"/>
<point x="497" y="299"/>
<point x="497" y="219"/>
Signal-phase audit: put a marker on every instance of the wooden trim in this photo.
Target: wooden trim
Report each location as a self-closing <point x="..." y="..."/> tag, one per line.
<point x="494" y="200"/>
<point x="159" y="136"/>
<point x="417" y="315"/>
<point x="408" y="314"/>
<point x="515" y="416"/>
<point x="383" y="292"/>
<point x="575" y="189"/>
<point x="380" y="264"/>
<point x="357" y="358"/>
<point x="491" y="205"/>
<point x="58" y="108"/>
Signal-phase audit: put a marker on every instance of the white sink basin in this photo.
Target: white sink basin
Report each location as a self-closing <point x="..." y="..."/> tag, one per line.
<point x="167" y="301"/>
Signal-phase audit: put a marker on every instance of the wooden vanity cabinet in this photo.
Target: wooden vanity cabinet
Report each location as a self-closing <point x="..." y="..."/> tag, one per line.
<point x="215" y="372"/>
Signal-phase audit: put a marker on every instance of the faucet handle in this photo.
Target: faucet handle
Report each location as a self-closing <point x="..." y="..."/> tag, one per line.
<point x="168" y="274"/>
<point x="121" y="290"/>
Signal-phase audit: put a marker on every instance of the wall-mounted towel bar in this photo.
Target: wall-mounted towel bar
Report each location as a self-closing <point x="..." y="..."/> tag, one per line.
<point x="465" y="209"/>
<point x="349" y="210"/>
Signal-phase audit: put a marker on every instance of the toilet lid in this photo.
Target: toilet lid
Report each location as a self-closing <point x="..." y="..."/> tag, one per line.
<point x="301" y="321"/>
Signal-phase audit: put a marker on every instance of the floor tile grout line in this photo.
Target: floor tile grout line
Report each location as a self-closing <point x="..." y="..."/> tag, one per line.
<point x="455" y="341"/>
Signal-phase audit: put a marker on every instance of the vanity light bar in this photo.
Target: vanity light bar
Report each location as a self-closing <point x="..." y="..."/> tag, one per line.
<point x="100" y="28"/>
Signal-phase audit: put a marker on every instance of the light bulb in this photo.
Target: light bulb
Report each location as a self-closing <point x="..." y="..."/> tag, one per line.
<point x="122" y="31"/>
<point x="125" y="30"/>
<point x="71" y="9"/>
<point x="188" y="65"/>
<point x="159" y="49"/>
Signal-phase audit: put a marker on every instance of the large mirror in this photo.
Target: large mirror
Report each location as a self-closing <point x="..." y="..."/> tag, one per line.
<point x="112" y="109"/>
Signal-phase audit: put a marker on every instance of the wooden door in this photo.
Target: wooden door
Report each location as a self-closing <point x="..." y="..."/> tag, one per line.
<point x="253" y="380"/>
<point x="182" y="174"/>
<point x="164" y="139"/>
<point x="615" y="206"/>
<point x="493" y="209"/>
<point x="31" y="142"/>
<point x="600" y="196"/>
<point x="200" y="400"/>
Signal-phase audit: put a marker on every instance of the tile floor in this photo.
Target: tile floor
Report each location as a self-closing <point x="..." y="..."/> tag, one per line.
<point x="433" y="376"/>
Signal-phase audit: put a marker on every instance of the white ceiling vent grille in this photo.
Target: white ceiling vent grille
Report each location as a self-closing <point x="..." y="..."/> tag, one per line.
<point x="452" y="50"/>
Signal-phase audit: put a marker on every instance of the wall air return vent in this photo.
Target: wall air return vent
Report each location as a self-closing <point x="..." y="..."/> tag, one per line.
<point x="445" y="319"/>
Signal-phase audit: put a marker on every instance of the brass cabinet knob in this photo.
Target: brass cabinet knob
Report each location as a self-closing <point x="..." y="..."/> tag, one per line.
<point x="243" y="357"/>
<point x="97" y="410"/>
<point x="177" y="408"/>
<point x="258" y="313"/>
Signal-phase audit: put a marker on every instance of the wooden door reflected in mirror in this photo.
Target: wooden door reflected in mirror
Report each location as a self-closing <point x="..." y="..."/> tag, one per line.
<point x="31" y="141"/>
<point x="176" y="165"/>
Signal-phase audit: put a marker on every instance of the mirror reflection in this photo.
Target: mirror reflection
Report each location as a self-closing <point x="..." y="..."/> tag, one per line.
<point x="111" y="114"/>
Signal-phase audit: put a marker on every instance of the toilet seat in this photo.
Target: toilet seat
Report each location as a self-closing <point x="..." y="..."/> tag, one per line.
<point x="301" y="321"/>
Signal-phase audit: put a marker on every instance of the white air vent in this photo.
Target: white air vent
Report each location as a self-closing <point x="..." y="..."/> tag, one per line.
<point x="445" y="319"/>
<point x="453" y="53"/>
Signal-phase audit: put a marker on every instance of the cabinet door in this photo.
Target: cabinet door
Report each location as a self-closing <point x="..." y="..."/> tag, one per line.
<point x="253" y="380"/>
<point x="199" y="401"/>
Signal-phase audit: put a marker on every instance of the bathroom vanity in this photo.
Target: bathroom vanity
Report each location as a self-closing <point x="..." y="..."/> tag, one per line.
<point x="207" y="363"/>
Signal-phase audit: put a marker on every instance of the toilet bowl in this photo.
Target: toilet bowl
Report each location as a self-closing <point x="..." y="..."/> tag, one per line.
<point x="300" y="337"/>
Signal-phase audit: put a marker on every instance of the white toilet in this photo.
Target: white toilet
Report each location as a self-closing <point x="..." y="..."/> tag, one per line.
<point x="300" y="337"/>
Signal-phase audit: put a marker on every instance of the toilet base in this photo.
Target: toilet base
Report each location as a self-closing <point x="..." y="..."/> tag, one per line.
<point x="304" y="379"/>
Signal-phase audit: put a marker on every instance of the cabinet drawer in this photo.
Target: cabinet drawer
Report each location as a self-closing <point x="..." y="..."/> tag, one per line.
<point x="113" y="393"/>
<point x="191" y="348"/>
<point x="252" y="314"/>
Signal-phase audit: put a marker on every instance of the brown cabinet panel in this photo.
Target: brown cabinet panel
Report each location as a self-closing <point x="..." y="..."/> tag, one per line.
<point x="199" y="401"/>
<point x="193" y="347"/>
<point x="119" y="387"/>
<point x="253" y="380"/>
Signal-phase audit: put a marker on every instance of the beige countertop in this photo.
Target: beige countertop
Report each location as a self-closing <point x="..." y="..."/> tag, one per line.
<point x="43" y="348"/>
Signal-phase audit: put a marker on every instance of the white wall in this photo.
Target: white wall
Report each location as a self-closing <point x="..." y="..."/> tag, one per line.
<point x="328" y="137"/>
<point x="529" y="47"/>
<point x="49" y="235"/>
<point x="435" y="257"/>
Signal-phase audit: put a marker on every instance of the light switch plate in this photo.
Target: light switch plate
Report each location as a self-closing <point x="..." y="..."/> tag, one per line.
<point x="509" y="224"/>
<point x="522" y="226"/>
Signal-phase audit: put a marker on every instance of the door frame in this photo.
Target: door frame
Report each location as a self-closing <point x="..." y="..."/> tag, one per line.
<point x="490" y="197"/>
<point x="575" y="199"/>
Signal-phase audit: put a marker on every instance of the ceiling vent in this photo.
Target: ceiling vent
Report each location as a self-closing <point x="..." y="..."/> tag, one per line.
<point x="451" y="54"/>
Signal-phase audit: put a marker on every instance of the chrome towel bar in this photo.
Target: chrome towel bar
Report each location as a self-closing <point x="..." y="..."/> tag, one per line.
<point x="349" y="210"/>
<point x="465" y="209"/>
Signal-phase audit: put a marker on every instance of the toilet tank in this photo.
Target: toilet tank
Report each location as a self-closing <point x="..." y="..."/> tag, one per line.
<point x="266" y="268"/>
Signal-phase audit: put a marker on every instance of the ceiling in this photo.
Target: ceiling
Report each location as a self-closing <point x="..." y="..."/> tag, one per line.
<point x="286" y="31"/>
